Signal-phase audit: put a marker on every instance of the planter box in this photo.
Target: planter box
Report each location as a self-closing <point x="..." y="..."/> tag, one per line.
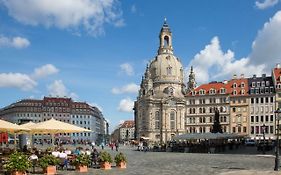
<point x="82" y="169"/>
<point x="121" y="165"/>
<point x="18" y="173"/>
<point x="105" y="165"/>
<point x="50" y="170"/>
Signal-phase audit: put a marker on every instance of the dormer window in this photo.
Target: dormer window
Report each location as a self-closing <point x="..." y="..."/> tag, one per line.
<point x="258" y="84"/>
<point x="234" y="85"/>
<point x="212" y="91"/>
<point x="257" y="90"/>
<point x="202" y="92"/>
<point x="262" y="83"/>
<point x="253" y="84"/>
<point x="193" y="93"/>
<point x="222" y="91"/>
<point x="242" y="85"/>
<point x="242" y="91"/>
<point x="234" y="92"/>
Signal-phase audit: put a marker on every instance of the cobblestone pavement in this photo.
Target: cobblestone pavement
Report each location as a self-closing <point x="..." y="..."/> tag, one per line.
<point x="169" y="163"/>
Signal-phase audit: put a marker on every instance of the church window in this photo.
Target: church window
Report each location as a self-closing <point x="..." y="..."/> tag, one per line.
<point x="172" y="120"/>
<point x="169" y="70"/>
<point x="166" y="41"/>
<point x="157" y="120"/>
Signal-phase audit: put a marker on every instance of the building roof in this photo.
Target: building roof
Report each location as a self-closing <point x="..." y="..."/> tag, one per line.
<point x="128" y="124"/>
<point x="277" y="75"/>
<point x="234" y="87"/>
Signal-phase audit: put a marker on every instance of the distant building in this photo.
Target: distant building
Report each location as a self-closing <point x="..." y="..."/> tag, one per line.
<point x="62" y="109"/>
<point x="124" y="132"/>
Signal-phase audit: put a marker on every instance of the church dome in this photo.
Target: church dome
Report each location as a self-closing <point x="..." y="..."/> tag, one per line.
<point x="166" y="68"/>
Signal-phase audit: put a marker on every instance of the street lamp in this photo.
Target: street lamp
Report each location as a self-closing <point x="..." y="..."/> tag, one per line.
<point x="263" y="133"/>
<point x="277" y="160"/>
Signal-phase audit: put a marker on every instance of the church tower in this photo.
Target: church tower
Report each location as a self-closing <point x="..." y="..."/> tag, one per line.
<point x="191" y="85"/>
<point x="160" y="105"/>
<point x="165" y="40"/>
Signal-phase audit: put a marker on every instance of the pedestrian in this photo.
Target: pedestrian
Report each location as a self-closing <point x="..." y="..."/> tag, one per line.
<point x="116" y="146"/>
<point x="102" y="145"/>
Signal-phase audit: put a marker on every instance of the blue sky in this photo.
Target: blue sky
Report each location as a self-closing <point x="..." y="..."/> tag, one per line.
<point x="96" y="51"/>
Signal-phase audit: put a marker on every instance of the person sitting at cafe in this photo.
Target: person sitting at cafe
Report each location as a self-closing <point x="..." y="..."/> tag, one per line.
<point x="63" y="159"/>
<point x="55" y="153"/>
<point x="67" y="151"/>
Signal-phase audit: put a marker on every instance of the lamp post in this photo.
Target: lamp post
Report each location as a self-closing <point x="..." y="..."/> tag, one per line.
<point x="277" y="160"/>
<point x="263" y="133"/>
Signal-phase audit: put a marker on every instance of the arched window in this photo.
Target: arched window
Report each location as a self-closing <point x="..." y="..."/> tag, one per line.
<point x="204" y="110"/>
<point x="193" y="110"/>
<point x="157" y="120"/>
<point x="221" y="109"/>
<point x="166" y="41"/>
<point x="190" y="110"/>
<point x="200" y="110"/>
<point x="172" y="120"/>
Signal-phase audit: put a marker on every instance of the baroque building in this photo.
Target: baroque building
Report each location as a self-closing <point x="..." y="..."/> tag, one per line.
<point x="165" y="107"/>
<point x="160" y="105"/>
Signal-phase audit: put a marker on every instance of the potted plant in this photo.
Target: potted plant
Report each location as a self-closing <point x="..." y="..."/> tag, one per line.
<point x="81" y="162"/>
<point x="17" y="163"/>
<point x="120" y="160"/>
<point x="105" y="160"/>
<point x="48" y="164"/>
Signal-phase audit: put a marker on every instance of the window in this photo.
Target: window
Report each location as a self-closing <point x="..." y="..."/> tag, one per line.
<point x="252" y="119"/>
<point x="257" y="129"/>
<point x="252" y="100"/>
<point x="234" y="85"/>
<point x="233" y="129"/>
<point x="172" y="120"/>
<point x="252" y="130"/>
<point x="271" y="99"/>
<point x="257" y="100"/>
<point x="157" y="120"/>
<point x="253" y="84"/>
<point x="257" y="119"/>
<point x="222" y="91"/>
<point x="234" y="92"/>
<point x="169" y="70"/>
<point x="266" y="118"/>
<point x="271" y="118"/>
<point x="233" y="110"/>
<point x="258" y="84"/>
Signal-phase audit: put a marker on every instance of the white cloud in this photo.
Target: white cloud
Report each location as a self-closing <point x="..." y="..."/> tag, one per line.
<point x="127" y="68"/>
<point x="44" y="71"/>
<point x="213" y="63"/>
<point x="266" y="4"/>
<point x="267" y="44"/>
<point x="126" y="105"/>
<point x="16" y="42"/>
<point x="129" y="88"/>
<point x="91" y="15"/>
<point x="17" y="80"/>
<point x="57" y="88"/>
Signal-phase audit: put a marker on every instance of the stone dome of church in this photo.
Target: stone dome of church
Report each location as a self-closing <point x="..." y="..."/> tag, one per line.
<point x="166" y="67"/>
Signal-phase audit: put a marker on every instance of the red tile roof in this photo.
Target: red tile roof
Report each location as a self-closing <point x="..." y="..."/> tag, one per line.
<point x="128" y="124"/>
<point x="227" y="85"/>
<point x="277" y="75"/>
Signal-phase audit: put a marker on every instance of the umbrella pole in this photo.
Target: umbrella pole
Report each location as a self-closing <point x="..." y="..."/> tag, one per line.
<point x="53" y="139"/>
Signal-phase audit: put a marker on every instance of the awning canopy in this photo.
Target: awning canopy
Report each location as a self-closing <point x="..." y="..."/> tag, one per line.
<point x="9" y="127"/>
<point x="53" y="126"/>
<point x="209" y="135"/>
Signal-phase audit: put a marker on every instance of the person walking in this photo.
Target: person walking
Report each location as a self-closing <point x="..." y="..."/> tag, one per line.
<point x="116" y="146"/>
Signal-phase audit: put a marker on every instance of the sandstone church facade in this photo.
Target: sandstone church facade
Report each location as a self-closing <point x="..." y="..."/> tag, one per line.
<point x="160" y="106"/>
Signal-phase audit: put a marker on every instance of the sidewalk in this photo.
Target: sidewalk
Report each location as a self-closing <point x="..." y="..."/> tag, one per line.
<point x="251" y="172"/>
